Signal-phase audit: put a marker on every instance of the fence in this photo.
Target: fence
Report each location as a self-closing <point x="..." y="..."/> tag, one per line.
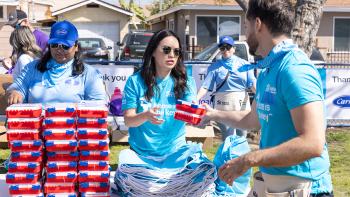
<point x="338" y="57"/>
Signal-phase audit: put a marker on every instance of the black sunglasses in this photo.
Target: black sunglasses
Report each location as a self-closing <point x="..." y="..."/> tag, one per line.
<point x="225" y="47"/>
<point x="167" y="50"/>
<point x="64" y="47"/>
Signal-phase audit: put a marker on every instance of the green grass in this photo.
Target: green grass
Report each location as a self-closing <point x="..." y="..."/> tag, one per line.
<point x="339" y="149"/>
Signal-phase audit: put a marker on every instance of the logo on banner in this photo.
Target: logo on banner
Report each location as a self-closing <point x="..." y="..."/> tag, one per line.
<point x="342" y="101"/>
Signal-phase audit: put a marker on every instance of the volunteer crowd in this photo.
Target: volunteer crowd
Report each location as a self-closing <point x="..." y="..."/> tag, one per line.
<point x="288" y="108"/>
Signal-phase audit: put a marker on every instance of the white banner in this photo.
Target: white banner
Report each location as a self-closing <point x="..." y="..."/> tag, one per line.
<point x="338" y="93"/>
<point x="199" y="72"/>
<point x="115" y="76"/>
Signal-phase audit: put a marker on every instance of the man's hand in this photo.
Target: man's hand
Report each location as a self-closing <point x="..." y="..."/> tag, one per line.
<point x="232" y="170"/>
<point x="7" y="63"/>
<point x="14" y="97"/>
<point x="210" y="112"/>
<point x="153" y="116"/>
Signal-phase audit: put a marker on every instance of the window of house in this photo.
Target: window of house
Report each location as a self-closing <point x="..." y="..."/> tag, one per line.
<point x="171" y="24"/>
<point x="2" y="16"/>
<point x="342" y="34"/>
<point x="210" y="28"/>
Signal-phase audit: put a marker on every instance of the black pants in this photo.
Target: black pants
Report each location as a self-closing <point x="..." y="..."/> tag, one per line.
<point x="322" y="195"/>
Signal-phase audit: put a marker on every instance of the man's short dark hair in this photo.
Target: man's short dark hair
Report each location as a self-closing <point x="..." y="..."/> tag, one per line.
<point x="277" y="15"/>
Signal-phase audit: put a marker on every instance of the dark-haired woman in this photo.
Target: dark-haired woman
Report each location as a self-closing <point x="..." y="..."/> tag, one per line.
<point x="157" y="140"/>
<point x="60" y="75"/>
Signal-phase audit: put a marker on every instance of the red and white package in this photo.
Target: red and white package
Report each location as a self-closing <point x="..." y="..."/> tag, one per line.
<point x="94" y="176"/>
<point x="24" y="167"/>
<point x="94" y="155"/>
<point x="93" y="165"/>
<point x="27" y="134"/>
<point x="29" y="195"/>
<point x="94" y="194"/>
<point x="24" y="123"/>
<point x="92" y="123"/>
<point x="33" y="156"/>
<point x="59" y="134"/>
<point x="61" y="166"/>
<point x="59" y="188"/>
<point x="61" y="145"/>
<point x="24" y="110"/>
<point x="61" y="177"/>
<point x="99" y="145"/>
<point x="62" y="156"/>
<point x="88" y="133"/>
<point x="94" y="187"/>
<point x="188" y="112"/>
<point x="92" y="110"/>
<point x="187" y="117"/>
<point x="59" y="123"/>
<point x="61" y="195"/>
<point x="21" y="178"/>
<point x="60" y="110"/>
<point x="24" y="189"/>
<point x="26" y="145"/>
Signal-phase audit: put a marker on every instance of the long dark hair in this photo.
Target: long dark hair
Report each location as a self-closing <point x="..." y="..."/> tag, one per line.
<point x="148" y="70"/>
<point x="78" y="65"/>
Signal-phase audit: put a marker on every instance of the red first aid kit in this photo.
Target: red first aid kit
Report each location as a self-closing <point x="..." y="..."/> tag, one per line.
<point x="60" y="110"/>
<point x="61" y="145"/>
<point x="93" y="187"/>
<point x="94" y="155"/>
<point x="59" y="123"/>
<point x="54" y="188"/>
<point x="187" y="117"/>
<point x="23" y="134"/>
<point x="94" y="176"/>
<point x="26" y="145"/>
<point x="19" y="178"/>
<point x="29" y="195"/>
<point x="62" y="195"/>
<point x="61" y="177"/>
<point x="24" y="189"/>
<point x="94" y="145"/>
<point x="92" y="134"/>
<point x="93" y="166"/>
<point x="34" y="156"/>
<point x="24" y="110"/>
<point x="92" y="110"/>
<point x="190" y="107"/>
<point x="24" y="167"/>
<point x="93" y="194"/>
<point x="24" y="123"/>
<point x="59" y="134"/>
<point x="92" y="123"/>
<point x="61" y="166"/>
<point x="62" y="156"/>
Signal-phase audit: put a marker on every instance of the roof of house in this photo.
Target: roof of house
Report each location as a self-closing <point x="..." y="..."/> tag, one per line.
<point x="62" y="6"/>
<point x="330" y="6"/>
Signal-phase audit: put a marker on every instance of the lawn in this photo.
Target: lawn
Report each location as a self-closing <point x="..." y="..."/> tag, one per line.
<point x="339" y="148"/>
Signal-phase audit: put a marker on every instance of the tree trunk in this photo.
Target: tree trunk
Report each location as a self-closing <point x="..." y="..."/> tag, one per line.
<point x="308" y="14"/>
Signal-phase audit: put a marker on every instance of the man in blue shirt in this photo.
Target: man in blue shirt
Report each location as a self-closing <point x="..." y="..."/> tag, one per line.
<point x="230" y="84"/>
<point x="289" y="110"/>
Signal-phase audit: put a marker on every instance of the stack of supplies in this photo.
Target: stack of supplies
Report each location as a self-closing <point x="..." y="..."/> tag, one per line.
<point x="189" y="112"/>
<point x="24" y="137"/>
<point x="92" y="134"/>
<point x="61" y="146"/>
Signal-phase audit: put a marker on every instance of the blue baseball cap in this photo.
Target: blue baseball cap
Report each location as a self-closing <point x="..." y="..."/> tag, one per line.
<point x="63" y="32"/>
<point x="226" y="40"/>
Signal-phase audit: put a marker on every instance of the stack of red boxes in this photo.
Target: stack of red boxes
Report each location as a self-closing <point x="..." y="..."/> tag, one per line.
<point x="189" y="112"/>
<point x="92" y="135"/>
<point x="24" y="137"/>
<point x="62" y="150"/>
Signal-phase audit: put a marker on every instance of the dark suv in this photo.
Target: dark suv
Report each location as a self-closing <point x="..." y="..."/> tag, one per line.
<point x="134" y="45"/>
<point x="94" y="49"/>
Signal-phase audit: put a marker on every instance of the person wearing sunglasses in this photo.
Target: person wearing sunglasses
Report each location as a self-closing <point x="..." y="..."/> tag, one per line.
<point x="60" y="75"/>
<point x="157" y="140"/>
<point x="232" y="94"/>
<point x="19" y="18"/>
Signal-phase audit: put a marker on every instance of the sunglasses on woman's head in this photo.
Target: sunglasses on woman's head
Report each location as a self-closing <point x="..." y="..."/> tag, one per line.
<point x="225" y="47"/>
<point x="64" y="47"/>
<point x="167" y="50"/>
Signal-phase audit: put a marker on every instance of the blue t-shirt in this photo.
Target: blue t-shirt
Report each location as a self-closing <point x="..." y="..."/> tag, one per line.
<point x="236" y="82"/>
<point x="156" y="140"/>
<point x="86" y="86"/>
<point x="288" y="80"/>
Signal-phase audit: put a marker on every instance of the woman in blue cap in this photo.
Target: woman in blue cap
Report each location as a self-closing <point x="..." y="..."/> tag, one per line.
<point x="60" y="75"/>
